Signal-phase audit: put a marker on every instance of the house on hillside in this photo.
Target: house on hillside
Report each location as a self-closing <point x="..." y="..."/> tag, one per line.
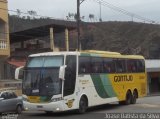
<point x="4" y="37"/>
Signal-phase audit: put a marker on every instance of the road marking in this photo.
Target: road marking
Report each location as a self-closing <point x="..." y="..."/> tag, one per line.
<point x="148" y="105"/>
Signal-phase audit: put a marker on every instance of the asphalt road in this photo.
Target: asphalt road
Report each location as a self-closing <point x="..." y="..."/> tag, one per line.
<point x="148" y="105"/>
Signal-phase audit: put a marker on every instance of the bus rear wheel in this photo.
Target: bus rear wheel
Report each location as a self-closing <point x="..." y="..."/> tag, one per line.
<point x="83" y="105"/>
<point x="128" y="98"/>
<point x="134" y="97"/>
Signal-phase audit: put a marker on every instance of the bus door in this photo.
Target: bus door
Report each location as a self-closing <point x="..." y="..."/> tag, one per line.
<point x="70" y="81"/>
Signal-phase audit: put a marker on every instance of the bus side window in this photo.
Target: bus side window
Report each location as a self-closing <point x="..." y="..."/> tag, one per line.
<point x="120" y="65"/>
<point x="97" y="65"/>
<point x="109" y="65"/>
<point x="131" y="65"/>
<point x="140" y="66"/>
<point x="84" y="65"/>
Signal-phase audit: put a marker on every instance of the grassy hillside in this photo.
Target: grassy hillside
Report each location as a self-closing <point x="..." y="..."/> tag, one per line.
<point x="124" y="37"/>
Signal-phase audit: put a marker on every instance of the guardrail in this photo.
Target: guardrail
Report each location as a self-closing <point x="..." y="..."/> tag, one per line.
<point x="8" y="89"/>
<point x="3" y="44"/>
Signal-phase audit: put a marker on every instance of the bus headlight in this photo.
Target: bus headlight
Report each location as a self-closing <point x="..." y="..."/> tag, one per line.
<point x="56" y="99"/>
<point x="26" y="109"/>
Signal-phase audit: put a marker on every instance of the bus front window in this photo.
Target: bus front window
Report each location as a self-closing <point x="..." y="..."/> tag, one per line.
<point x="42" y="79"/>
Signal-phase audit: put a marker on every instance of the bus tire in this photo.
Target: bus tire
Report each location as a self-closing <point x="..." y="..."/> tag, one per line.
<point x="83" y="105"/>
<point x="128" y="98"/>
<point x="134" y="97"/>
<point x="122" y="102"/>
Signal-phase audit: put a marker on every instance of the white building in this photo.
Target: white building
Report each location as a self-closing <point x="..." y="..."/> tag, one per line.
<point x="153" y="72"/>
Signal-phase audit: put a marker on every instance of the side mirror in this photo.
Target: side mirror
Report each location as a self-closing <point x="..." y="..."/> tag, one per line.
<point x="62" y="72"/>
<point x="1" y="99"/>
<point x="19" y="73"/>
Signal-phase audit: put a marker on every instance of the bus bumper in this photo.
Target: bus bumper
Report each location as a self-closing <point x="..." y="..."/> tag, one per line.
<point x="52" y="106"/>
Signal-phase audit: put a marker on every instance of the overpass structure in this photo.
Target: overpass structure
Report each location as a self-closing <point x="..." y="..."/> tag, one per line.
<point x="42" y="30"/>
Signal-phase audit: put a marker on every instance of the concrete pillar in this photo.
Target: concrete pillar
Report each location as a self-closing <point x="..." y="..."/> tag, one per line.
<point x="66" y="39"/>
<point x="2" y="72"/>
<point x="52" y="39"/>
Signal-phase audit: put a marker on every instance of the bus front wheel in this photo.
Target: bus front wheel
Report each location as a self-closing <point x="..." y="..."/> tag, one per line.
<point x="83" y="105"/>
<point x="48" y="112"/>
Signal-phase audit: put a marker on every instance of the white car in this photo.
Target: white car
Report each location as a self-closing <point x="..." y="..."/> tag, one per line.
<point x="10" y="102"/>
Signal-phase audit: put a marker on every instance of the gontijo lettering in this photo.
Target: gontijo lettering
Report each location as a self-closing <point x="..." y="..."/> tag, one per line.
<point x="123" y="78"/>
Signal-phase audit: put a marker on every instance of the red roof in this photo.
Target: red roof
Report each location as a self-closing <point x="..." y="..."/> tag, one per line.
<point x="17" y="63"/>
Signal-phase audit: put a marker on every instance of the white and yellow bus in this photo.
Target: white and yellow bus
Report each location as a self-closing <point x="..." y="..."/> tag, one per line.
<point x="62" y="81"/>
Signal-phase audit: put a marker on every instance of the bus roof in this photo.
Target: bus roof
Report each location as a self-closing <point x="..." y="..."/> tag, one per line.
<point x="55" y="53"/>
<point x="90" y="53"/>
<point x="110" y="54"/>
<point x="101" y="52"/>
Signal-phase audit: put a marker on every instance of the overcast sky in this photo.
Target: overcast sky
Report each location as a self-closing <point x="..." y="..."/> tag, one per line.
<point x="60" y="8"/>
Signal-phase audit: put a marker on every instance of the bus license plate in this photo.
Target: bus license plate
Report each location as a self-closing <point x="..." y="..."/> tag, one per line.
<point x="39" y="106"/>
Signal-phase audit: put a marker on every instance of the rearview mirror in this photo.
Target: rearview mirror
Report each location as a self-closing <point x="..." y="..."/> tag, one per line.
<point x="62" y="72"/>
<point x="19" y="73"/>
<point x="1" y="99"/>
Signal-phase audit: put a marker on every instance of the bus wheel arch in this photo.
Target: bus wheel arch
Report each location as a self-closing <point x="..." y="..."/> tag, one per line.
<point x="83" y="104"/>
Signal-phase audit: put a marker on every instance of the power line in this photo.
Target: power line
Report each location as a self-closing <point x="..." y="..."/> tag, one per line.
<point x="118" y="9"/>
<point x="104" y="3"/>
<point x="133" y="15"/>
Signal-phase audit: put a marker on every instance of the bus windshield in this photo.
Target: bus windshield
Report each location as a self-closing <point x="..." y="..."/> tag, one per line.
<point x="41" y="76"/>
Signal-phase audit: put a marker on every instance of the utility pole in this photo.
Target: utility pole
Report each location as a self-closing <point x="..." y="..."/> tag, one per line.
<point x="100" y="10"/>
<point x="132" y="17"/>
<point x="78" y="24"/>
